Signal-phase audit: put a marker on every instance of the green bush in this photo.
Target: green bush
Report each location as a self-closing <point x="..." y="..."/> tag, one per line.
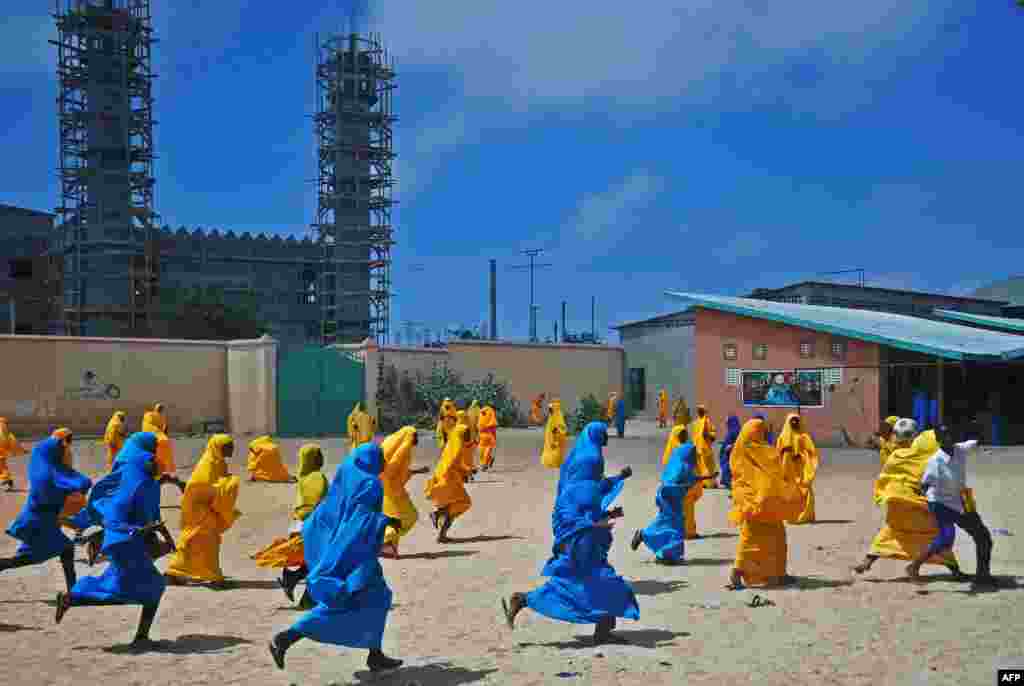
<point x="588" y="410"/>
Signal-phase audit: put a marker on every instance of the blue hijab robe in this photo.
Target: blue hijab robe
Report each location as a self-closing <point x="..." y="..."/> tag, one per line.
<point x="342" y="540"/>
<point x="122" y="502"/>
<point x="732" y="433"/>
<point x="620" y="416"/>
<point x="665" y="535"/>
<point x="583" y="588"/>
<point x="50" y="482"/>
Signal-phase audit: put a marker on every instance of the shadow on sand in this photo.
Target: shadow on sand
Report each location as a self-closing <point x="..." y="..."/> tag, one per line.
<point x="11" y="628"/>
<point x="52" y="602"/>
<point x="693" y="562"/>
<point x="248" y="585"/>
<point x="189" y="644"/>
<point x="170" y="507"/>
<point x="438" y="555"/>
<point x="657" y="586"/>
<point x="437" y="673"/>
<point x="813" y="583"/>
<point x="826" y="521"/>
<point x="1003" y="583"/>
<point x="923" y="580"/>
<point x="483" y="539"/>
<point x="720" y="534"/>
<point x="15" y="490"/>
<point x="486" y="481"/>
<point x="651" y="639"/>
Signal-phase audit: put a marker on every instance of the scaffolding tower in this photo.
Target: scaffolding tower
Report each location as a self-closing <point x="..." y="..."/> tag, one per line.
<point x="353" y="128"/>
<point x="105" y="113"/>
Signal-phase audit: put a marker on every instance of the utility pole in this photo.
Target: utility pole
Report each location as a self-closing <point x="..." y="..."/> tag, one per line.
<point x="563" y="322"/>
<point x="532" y="254"/>
<point x="593" y="319"/>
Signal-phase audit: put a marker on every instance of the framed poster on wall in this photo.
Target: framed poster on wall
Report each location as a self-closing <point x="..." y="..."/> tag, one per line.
<point x="782" y="388"/>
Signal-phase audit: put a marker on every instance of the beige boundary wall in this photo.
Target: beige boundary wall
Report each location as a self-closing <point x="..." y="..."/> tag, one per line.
<point x="50" y="381"/>
<point x="567" y="371"/>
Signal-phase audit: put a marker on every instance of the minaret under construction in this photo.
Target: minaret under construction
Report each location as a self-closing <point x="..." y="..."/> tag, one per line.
<point x="353" y="128"/>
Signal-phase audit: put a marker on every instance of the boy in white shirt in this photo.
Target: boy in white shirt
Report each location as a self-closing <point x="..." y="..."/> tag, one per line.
<point x="944" y="484"/>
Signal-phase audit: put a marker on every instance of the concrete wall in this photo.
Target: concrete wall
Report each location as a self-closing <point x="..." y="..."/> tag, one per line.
<point x="853" y="405"/>
<point x="45" y="382"/>
<point x="668" y="354"/>
<point x="566" y="371"/>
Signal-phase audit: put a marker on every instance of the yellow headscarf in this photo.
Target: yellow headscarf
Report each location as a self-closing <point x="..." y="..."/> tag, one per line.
<point x="445" y="421"/>
<point x="9" y="445"/>
<point x="208" y="502"/>
<point x="312" y="486"/>
<point x="397" y="449"/>
<point x="153" y="421"/>
<point x="114" y="433"/>
<point x="449" y="469"/>
<point x="901" y="475"/>
<point x="488" y="419"/>
<point x="800" y="446"/>
<point x="610" y="409"/>
<point x="761" y="490"/>
<point x="680" y="412"/>
<point x="361" y="427"/>
<point x="473" y="419"/>
<point x="556" y="436"/>
<point x="676" y="437"/>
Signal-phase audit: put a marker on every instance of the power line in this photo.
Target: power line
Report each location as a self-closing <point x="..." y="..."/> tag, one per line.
<point x="532" y="254"/>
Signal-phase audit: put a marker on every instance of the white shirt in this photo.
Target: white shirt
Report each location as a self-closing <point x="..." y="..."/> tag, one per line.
<point x="945" y="476"/>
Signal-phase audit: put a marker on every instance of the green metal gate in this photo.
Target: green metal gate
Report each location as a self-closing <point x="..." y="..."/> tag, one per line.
<point x="316" y="390"/>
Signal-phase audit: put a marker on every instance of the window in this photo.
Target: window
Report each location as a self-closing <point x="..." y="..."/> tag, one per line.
<point x="732" y="377"/>
<point x="729" y="351"/>
<point x="838" y="349"/>
<point x="760" y="351"/>
<point x="21" y="269"/>
<point x="807" y="349"/>
<point x="834" y="377"/>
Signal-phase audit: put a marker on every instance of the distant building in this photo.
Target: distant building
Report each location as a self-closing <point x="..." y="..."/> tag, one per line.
<point x="27" y="276"/>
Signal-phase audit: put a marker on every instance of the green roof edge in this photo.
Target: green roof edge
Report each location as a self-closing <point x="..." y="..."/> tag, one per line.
<point x="995" y="322"/>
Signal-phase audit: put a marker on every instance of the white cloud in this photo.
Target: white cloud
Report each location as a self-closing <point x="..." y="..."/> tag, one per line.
<point x="607" y="216"/>
<point x="422" y="151"/>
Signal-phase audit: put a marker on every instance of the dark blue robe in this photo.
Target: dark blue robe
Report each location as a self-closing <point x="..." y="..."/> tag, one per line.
<point x="665" y="535"/>
<point x="732" y="433"/>
<point x="342" y="541"/>
<point x="122" y="502"/>
<point x="620" y="417"/>
<point x="583" y="588"/>
<point x="50" y="482"/>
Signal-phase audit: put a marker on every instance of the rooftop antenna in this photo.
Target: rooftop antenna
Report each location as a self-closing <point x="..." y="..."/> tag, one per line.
<point x="532" y="254"/>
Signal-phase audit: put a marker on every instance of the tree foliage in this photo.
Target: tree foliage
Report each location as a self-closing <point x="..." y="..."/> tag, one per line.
<point x="207" y="314"/>
<point x="588" y="410"/>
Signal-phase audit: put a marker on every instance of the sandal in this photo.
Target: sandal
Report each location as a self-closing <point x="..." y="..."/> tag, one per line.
<point x="758" y="601"/>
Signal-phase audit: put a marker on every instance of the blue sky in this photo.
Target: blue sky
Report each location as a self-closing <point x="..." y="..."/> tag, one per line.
<point x="691" y="145"/>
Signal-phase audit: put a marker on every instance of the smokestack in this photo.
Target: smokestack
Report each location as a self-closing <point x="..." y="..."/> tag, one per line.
<point x="563" y="321"/>
<point x="494" y="300"/>
<point x="593" y="319"/>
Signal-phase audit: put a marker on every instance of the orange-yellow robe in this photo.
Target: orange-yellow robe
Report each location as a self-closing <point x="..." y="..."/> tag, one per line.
<point x="310" y="490"/>
<point x="446" y="489"/>
<point x="702" y="435"/>
<point x="114" y="437"/>
<point x="264" y="463"/>
<point x="677" y="437"/>
<point x="361" y="427"/>
<point x="537" y="410"/>
<point x="398" y="452"/>
<point x="154" y="422"/>
<point x="207" y="511"/>
<point x="445" y="421"/>
<point x="488" y="436"/>
<point x="662" y="408"/>
<point x="800" y="459"/>
<point x="9" y="447"/>
<point x="556" y="437"/>
<point x="74" y="502"/>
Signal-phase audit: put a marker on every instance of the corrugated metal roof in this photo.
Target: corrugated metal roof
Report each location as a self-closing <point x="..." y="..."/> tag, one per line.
<point x="1004" y="323"/>
<point x="686" y="314"/>
<point x="942" y="339"/>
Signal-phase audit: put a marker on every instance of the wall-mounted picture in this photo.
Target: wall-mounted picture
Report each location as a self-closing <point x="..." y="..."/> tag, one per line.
<point x="783" y="388"/>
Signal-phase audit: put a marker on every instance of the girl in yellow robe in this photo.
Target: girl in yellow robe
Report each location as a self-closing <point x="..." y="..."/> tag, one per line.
<point x="264" y="463"/>
<point x="288" y="552"/>
<point x="909" y="525"/>
<point x="207" y="511"/>
<point x="9" y="447"/>
<point x="680" y="412"/>
<point x="447" y="487"/>
<point x="398" y="454"/>
<point x="884" y="439"/>
<point x="662" y="409"/>
<point x="488" y="436"/>
<point x="556" y="437"/>
<point x="466" y="454"/>
<point x="155" y="422"/>
<point x="445" y="421"/>
<point x="473" y="420"/>
<point x="537" y="410"/>
<point x="764" y="496"/>
<point x="677" y="437"/>
<point x="702" y="434"/>
<point x="800" y="458"/>
<point x="361" y="427"/>
<point x="114" y="437"/>
<point x="74" y="503"/>
<point x="609" y="409"/>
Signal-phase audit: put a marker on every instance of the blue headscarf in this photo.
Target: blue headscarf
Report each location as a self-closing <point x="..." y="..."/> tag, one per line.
<point x="127" y="498"/>
<point x="732" y="430"/>
<point x="343" y="536"/>
<point x="681" y="469"/>
<point x="584" y="494"/>
<point x="50" y="480"/>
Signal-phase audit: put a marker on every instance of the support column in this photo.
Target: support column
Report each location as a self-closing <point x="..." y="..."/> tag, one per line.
<point x="940" y="390"/>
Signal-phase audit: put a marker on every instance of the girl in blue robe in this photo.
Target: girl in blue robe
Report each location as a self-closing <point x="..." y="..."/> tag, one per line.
<point x="123" y="502"/>
<point x="620" y="417"/>
<point x="583" y="588"/>
<point x="342" y="541"/>
<point x="665" y="535"/>
<point x="732" y="433"/>
<point x="37" y="527"/>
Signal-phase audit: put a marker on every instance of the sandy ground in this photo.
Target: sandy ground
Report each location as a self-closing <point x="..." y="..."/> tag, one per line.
<point x="446" y="621"/>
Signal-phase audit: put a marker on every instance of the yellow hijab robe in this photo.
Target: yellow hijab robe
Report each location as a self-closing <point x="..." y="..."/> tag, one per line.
<point x="556" y="437"/>
<point x="473" y="420"/>
<point x="74" y="502"/>
<point x="361" y="427"/>
<point x="537" y="410"/>
<point x="114" y="437"/>
<point x="207" y="511"/>
<point x="800" y="460"/>
<point x="609" y="408"/>
<point x="763" y="497"/>
<point x="662" y="407"/>
<point x="466" y="455"/>
<point x="445" y="421"/>
<point x="155" y="422"/>
<point x="264" y="463"/>
<point x="398" y="452"/>
<point x="681" y="413"/>
<point x="702" y="435"/>
<point x="677" y="437"/>
<point x="9" y="447"/>
<point x="310" y="490"/>
<point x="446" y="488"/>
<point x="909" y="525"/>
<point x="488" y="428"/>
<point x="886" y="445"/>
